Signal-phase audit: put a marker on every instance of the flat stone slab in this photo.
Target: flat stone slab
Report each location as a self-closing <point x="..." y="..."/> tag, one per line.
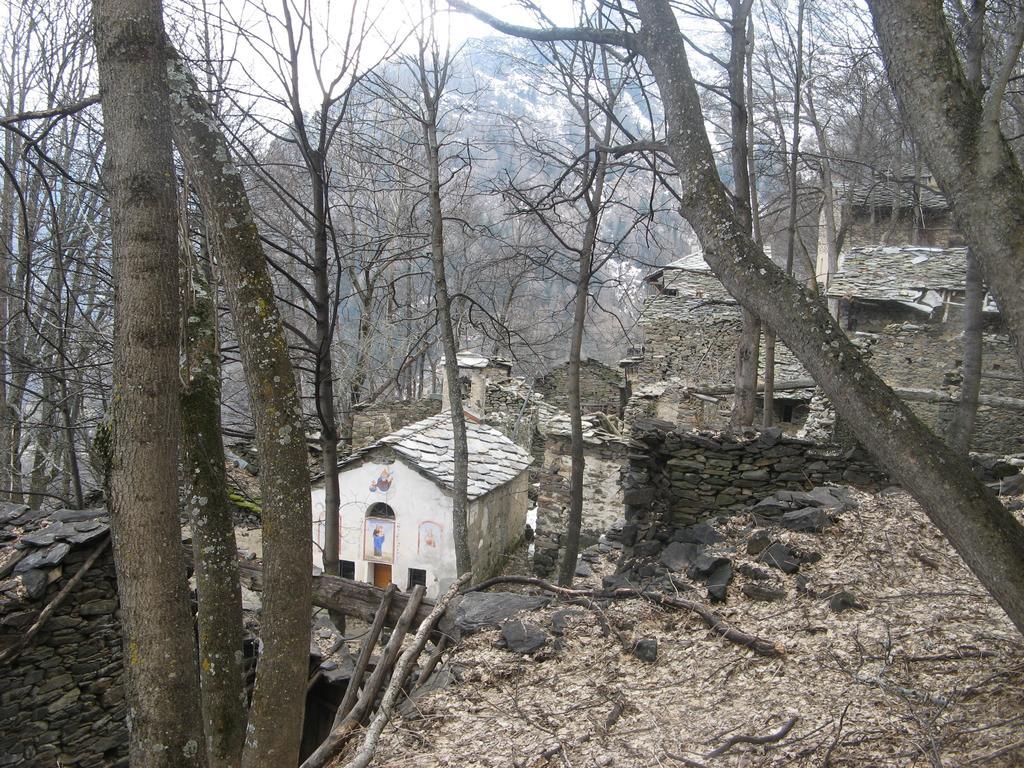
<point x="522" y="637"/>
<point x="487" y="610"/>
<point x="780" y="556"/>
<point x="810" y="519"/>
<point x="679" y="556"/>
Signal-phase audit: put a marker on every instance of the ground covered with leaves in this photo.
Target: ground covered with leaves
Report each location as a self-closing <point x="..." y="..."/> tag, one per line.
<point x="925" y="670"/>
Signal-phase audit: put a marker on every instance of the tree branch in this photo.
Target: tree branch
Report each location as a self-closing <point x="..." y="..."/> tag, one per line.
<point x="552" y="34"/>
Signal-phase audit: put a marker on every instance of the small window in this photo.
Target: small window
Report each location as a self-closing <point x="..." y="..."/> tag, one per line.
<point x="347" y="569"/>
<point x="380" y="509"/>
<point x="417" y="576"/>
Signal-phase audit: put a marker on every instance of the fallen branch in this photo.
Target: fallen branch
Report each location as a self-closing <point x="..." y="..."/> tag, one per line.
<point x="732" y="741"/>
<point x="363" y="660"/>
<point x="432" y="661"/>
<point x="714" y="622"/>
<point x="55" y="603"/>
<point x="339" y="734"/>
<point x="771" y="738"/>
<point x="402" y="671"/>
<point x="353" y="598"/>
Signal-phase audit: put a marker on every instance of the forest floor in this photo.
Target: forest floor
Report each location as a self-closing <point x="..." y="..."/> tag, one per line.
<point x="928" y="672"/>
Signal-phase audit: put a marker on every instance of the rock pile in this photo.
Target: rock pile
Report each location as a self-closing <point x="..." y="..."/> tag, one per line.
<point x="678" y="478"/>
<point x="701" y="553"/>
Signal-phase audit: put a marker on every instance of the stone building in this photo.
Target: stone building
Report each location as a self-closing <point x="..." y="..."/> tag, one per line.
<point x="904" y="306"/>
<point x="604" y="455"/>
<point x="686" y="369"/>
<point x="372" y="421"/>
<point x="889" y="207"/>
<point x="396" y="505"/>
<point x="61" y="672"/>
<point x="600" y="387"/>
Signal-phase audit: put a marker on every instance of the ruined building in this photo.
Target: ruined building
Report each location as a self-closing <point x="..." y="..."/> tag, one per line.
<point x="899" y="293"/>
<point x="685" y="372"/>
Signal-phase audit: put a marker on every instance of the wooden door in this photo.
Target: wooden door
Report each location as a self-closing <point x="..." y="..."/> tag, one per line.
<point x="381" y="575"/>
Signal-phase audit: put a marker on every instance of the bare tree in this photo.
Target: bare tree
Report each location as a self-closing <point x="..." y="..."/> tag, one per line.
<point x="163" y="687"/>
<point x="275" y="718"/>
<point x="214" y="551"/>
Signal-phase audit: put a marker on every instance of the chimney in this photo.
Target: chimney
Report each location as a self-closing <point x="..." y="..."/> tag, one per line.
<point x="475" y="373"/>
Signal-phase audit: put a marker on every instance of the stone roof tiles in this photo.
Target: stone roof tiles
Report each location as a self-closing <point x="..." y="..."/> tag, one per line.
<point x="903" y="273"/>
<point x="903" y="192"/>
<point x="33" y="542"/>
<point x="429" y="445"/>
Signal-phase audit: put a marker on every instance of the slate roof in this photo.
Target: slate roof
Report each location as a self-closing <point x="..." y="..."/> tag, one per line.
<point x="34" y="542"/>
<point x="692" y="261"/>
<point x="903" y="273"/>
<point x="903" y="192"/>
<point x="428" y="445"/>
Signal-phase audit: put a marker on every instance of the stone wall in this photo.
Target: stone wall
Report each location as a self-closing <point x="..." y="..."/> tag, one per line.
<point x="602" y="497"/>
<point x="600" y="387"/>
<point x="62" y="698"/>
<point x="677" y="477"/>
<point x="929" y="356"/>
<point x="497" y="522"/>
<point x="690" y="344"/>
<point x="372" y="422"/>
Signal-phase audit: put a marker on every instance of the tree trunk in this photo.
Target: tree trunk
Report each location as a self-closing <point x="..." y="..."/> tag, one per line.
<point x="460" y="483"/>
<point x="744" y="407"/>
<point x="987" y="536"/>
<point x="324" y="376"/>
<point x="567" y="566"/>
<point x="275" y="719"/>
<point x="961" y="430"/>
<point x="214" y="551"/>
<point x="163" y="686"/>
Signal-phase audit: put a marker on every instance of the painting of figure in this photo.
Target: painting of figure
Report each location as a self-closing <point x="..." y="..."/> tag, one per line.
<point x="379" y="540"/>
<point x="429" y="538"/>
<point x="383" y="482"/>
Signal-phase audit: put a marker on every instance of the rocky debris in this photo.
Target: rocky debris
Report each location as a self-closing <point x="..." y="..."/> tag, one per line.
<point x="701" y="533"/>
<point x="484" y="610"/>
<point x="758" y="542"/>
<point x="718" y="580"/>
<point x="1012" y="485"/>
<point x="992" y="468"/>
<point x="678" y="556"/>
<point x="583" y="570"/>
<point x="560" y="621"/>
<point x="812" y="519"/>
<point x="763" y="594"/>
<point x="752" y="571"/>
<point x="778" y="555"/>
<point x="646" y="649"/>
<point x="844" y="601"/>
<point x="619" y="581"/>
<point x="522" y="637"/>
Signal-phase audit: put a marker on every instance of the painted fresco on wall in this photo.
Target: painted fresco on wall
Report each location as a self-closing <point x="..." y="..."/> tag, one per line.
<point x="429" y="537"/>
<point x="379" y="540"/>
<point x="383" y="482"/>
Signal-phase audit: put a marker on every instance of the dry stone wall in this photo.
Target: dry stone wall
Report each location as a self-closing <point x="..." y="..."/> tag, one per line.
<point x="62" y="697"/>
<point x="600" y="387"/>
<point x="928" y="356"/>
<point x="373" y="422"/>
<point x="602" y="497"/>
<point x="677" y="478"/>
